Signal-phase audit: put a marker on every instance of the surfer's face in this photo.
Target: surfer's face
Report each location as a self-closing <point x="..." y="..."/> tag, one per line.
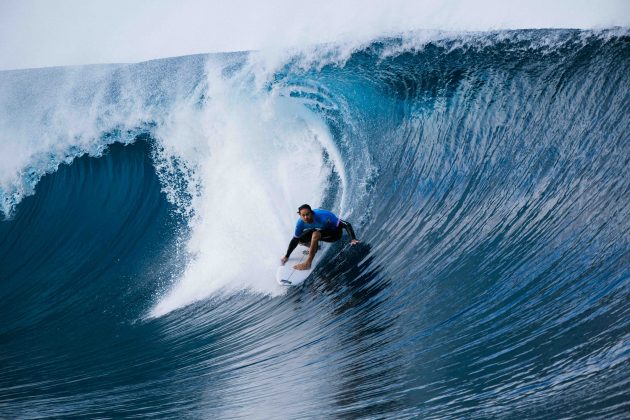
<point x="306" y="215"/>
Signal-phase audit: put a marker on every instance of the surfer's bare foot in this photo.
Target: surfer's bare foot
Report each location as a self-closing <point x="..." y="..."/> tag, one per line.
<point x="303" y="266"/>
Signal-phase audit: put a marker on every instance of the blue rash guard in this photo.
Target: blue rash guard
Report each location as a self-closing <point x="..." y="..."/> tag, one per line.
<point x="323" y="220"/>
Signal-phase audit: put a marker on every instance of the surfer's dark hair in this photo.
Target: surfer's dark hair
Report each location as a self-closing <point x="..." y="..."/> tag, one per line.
<point x="305" y="206"/>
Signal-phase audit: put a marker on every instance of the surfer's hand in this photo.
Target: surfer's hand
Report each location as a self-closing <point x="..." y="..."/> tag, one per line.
<point x="354" y="241"/>
<point x="303" y="266"/>
<point x="284" y="259"/>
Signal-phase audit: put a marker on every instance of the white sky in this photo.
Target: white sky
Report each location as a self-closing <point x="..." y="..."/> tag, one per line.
<point x="40" y="33"/>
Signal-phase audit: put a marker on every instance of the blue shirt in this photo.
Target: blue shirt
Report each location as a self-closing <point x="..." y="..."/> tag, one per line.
<point x="322" y="219"/>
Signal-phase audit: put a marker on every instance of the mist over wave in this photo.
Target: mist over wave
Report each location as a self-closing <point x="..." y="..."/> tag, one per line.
<point x="72" y="32"/>
<point x="146" y="207"/>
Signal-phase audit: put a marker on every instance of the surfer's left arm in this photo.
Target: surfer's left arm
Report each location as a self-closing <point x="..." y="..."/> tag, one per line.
<point x="348" y="227"/>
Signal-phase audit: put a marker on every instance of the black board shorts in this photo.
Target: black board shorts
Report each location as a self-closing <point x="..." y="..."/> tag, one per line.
<point x="328" y="235"/>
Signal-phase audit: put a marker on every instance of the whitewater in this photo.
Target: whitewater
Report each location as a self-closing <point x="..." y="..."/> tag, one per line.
<point x="145" y="208"/>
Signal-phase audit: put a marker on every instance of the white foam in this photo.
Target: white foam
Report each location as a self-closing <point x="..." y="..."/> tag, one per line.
<point x="258" y="155"/>
<point x="52" y="116"/>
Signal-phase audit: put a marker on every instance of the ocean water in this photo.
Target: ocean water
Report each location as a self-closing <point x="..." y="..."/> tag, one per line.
<point x="145" y="208"/>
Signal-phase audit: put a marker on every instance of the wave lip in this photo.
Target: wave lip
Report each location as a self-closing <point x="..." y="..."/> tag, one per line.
<point x="278" y="27"/>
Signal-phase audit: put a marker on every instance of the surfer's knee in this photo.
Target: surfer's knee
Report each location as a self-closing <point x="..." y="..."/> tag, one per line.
<point x="316" y="235"/>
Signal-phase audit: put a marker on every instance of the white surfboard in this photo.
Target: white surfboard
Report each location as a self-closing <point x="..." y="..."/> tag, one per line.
<point x="288" y="276"/>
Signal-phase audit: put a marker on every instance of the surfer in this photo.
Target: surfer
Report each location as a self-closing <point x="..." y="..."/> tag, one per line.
<point x="314" y="226"/>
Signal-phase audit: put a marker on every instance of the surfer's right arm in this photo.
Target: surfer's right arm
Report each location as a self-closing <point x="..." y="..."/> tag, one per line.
<point x="299" y="229"/>
<point x="292" y="245"/>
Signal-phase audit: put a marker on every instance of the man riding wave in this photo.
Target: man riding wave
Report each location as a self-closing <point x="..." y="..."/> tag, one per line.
<point x="313" y="226"/>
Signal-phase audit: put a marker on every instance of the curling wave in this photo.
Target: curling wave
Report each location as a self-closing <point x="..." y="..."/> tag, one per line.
<point x="487" y="174"/>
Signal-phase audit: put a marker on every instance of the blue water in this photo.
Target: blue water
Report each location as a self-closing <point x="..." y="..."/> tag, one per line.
<point x="487" y="175"/>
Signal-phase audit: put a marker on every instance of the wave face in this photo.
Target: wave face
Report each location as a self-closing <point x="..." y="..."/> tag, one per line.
<point x="487" y="175"/>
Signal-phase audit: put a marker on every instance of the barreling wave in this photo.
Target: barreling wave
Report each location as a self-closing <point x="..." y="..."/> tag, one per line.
<point x="487" y="175"/>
